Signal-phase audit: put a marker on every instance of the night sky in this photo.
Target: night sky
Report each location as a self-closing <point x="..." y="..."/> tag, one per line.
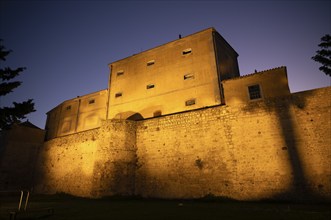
<point x="67" y="45"/>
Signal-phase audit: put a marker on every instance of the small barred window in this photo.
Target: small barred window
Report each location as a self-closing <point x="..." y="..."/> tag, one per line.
<point x="254" y="92"/>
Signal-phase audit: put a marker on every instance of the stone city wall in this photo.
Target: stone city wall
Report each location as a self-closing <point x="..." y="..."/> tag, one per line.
<point x="92" y="163"/>
<point x="273" y="148"/>
<point x="276" y="148"/>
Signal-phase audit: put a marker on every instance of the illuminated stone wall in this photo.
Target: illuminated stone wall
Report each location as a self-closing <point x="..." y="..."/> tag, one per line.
<point x="92" y="163"/>
<point x="273" y="148"/>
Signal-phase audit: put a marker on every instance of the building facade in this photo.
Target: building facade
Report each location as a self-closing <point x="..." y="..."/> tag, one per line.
<point x="76" y="115"/>
<point x="268" y="84"/>
<point x="181" y="75"/>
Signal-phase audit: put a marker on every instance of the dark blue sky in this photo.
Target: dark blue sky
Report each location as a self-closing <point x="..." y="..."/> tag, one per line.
<point x="66" y="45"/>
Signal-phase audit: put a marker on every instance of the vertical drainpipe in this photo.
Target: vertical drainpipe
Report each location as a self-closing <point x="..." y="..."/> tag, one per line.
<point x="46" y="127"/>
<point x="218" y="69"/>
<point x="58" y="121"/>
<point x="77" y="116"/>
<point x="108" y="99"/>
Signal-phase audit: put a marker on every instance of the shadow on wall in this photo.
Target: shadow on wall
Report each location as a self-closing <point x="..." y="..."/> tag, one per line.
<point x="141" y="113"/>
<point x="129" y="115"/>
<point x="19" y="148"/>
<point x="114" y="167"/>
<point x="284" y="107"/>
<point x="135" y="117"/>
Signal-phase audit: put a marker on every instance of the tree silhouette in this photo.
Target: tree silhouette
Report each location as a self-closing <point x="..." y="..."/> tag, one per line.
<point x="14" y="114"/>
<point x="323" y="56"/>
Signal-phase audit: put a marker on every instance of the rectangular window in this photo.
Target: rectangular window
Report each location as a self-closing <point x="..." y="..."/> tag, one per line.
<point x="151" y="62"/>
<point x="150" y="86"/>
<point x="187" y="51"/>
<point x="92" y="101"/>
<point x="189" y="76"/>
<point x="190" y="102"/>
<point x="119" y="94"/>
<point x="120" y="73"/>
<point x="68" y="107"/>
<point x="254" y="92"/>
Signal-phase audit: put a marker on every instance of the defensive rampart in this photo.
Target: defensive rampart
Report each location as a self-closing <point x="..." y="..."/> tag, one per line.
<point x="268" y="149"/>
<point x="94" y="163"/>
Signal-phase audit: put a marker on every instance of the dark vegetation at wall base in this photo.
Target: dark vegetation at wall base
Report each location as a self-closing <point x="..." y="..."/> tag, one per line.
<point x="66" y="206"/>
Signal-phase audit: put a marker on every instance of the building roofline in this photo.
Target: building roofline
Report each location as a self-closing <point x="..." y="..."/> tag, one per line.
<point x="207" y="29"/>
<point x="256" y="73"/>
<point x="78" y="97"/>
<point x="26" y="123"/>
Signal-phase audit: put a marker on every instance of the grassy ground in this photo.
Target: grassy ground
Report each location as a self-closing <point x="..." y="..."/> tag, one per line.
<point x="66" y="207"/>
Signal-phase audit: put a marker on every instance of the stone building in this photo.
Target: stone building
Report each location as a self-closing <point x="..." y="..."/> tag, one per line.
<point x="77" y="114"/>
<point x="177" y="121"/>
<point x="181" y="75"/>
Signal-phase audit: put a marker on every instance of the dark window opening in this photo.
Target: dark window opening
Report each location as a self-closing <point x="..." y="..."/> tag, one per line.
<point x="92" y="101"/>
<point x="150" y="86"/>
<point x="120" y="73"/>
<point x="68" y="107"/>
<point x="119" y="94"/>
<point x="188" y="76"/>
<point x="187" y="51"/>
<point x="151" y="62"/>
<point x="190" y="102"/>
<point x="254" y="92"/>
<point x="135" y="117"/>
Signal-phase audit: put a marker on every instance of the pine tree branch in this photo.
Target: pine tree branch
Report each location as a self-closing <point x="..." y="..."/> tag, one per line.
<point x="10" y="115"/>
<point x="323" y="56"/>
<point x="8" y="73"/>
<point x="3" y="52"/>
<point x="6" y="88"/>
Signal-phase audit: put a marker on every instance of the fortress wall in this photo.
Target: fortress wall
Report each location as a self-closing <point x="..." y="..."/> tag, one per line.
<point x="66" y="164"/>
<point x="313" y="126"/>
<point x="274" y="148"/>
<point x="92" y="163"/>
<point x="115" y="161"/>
